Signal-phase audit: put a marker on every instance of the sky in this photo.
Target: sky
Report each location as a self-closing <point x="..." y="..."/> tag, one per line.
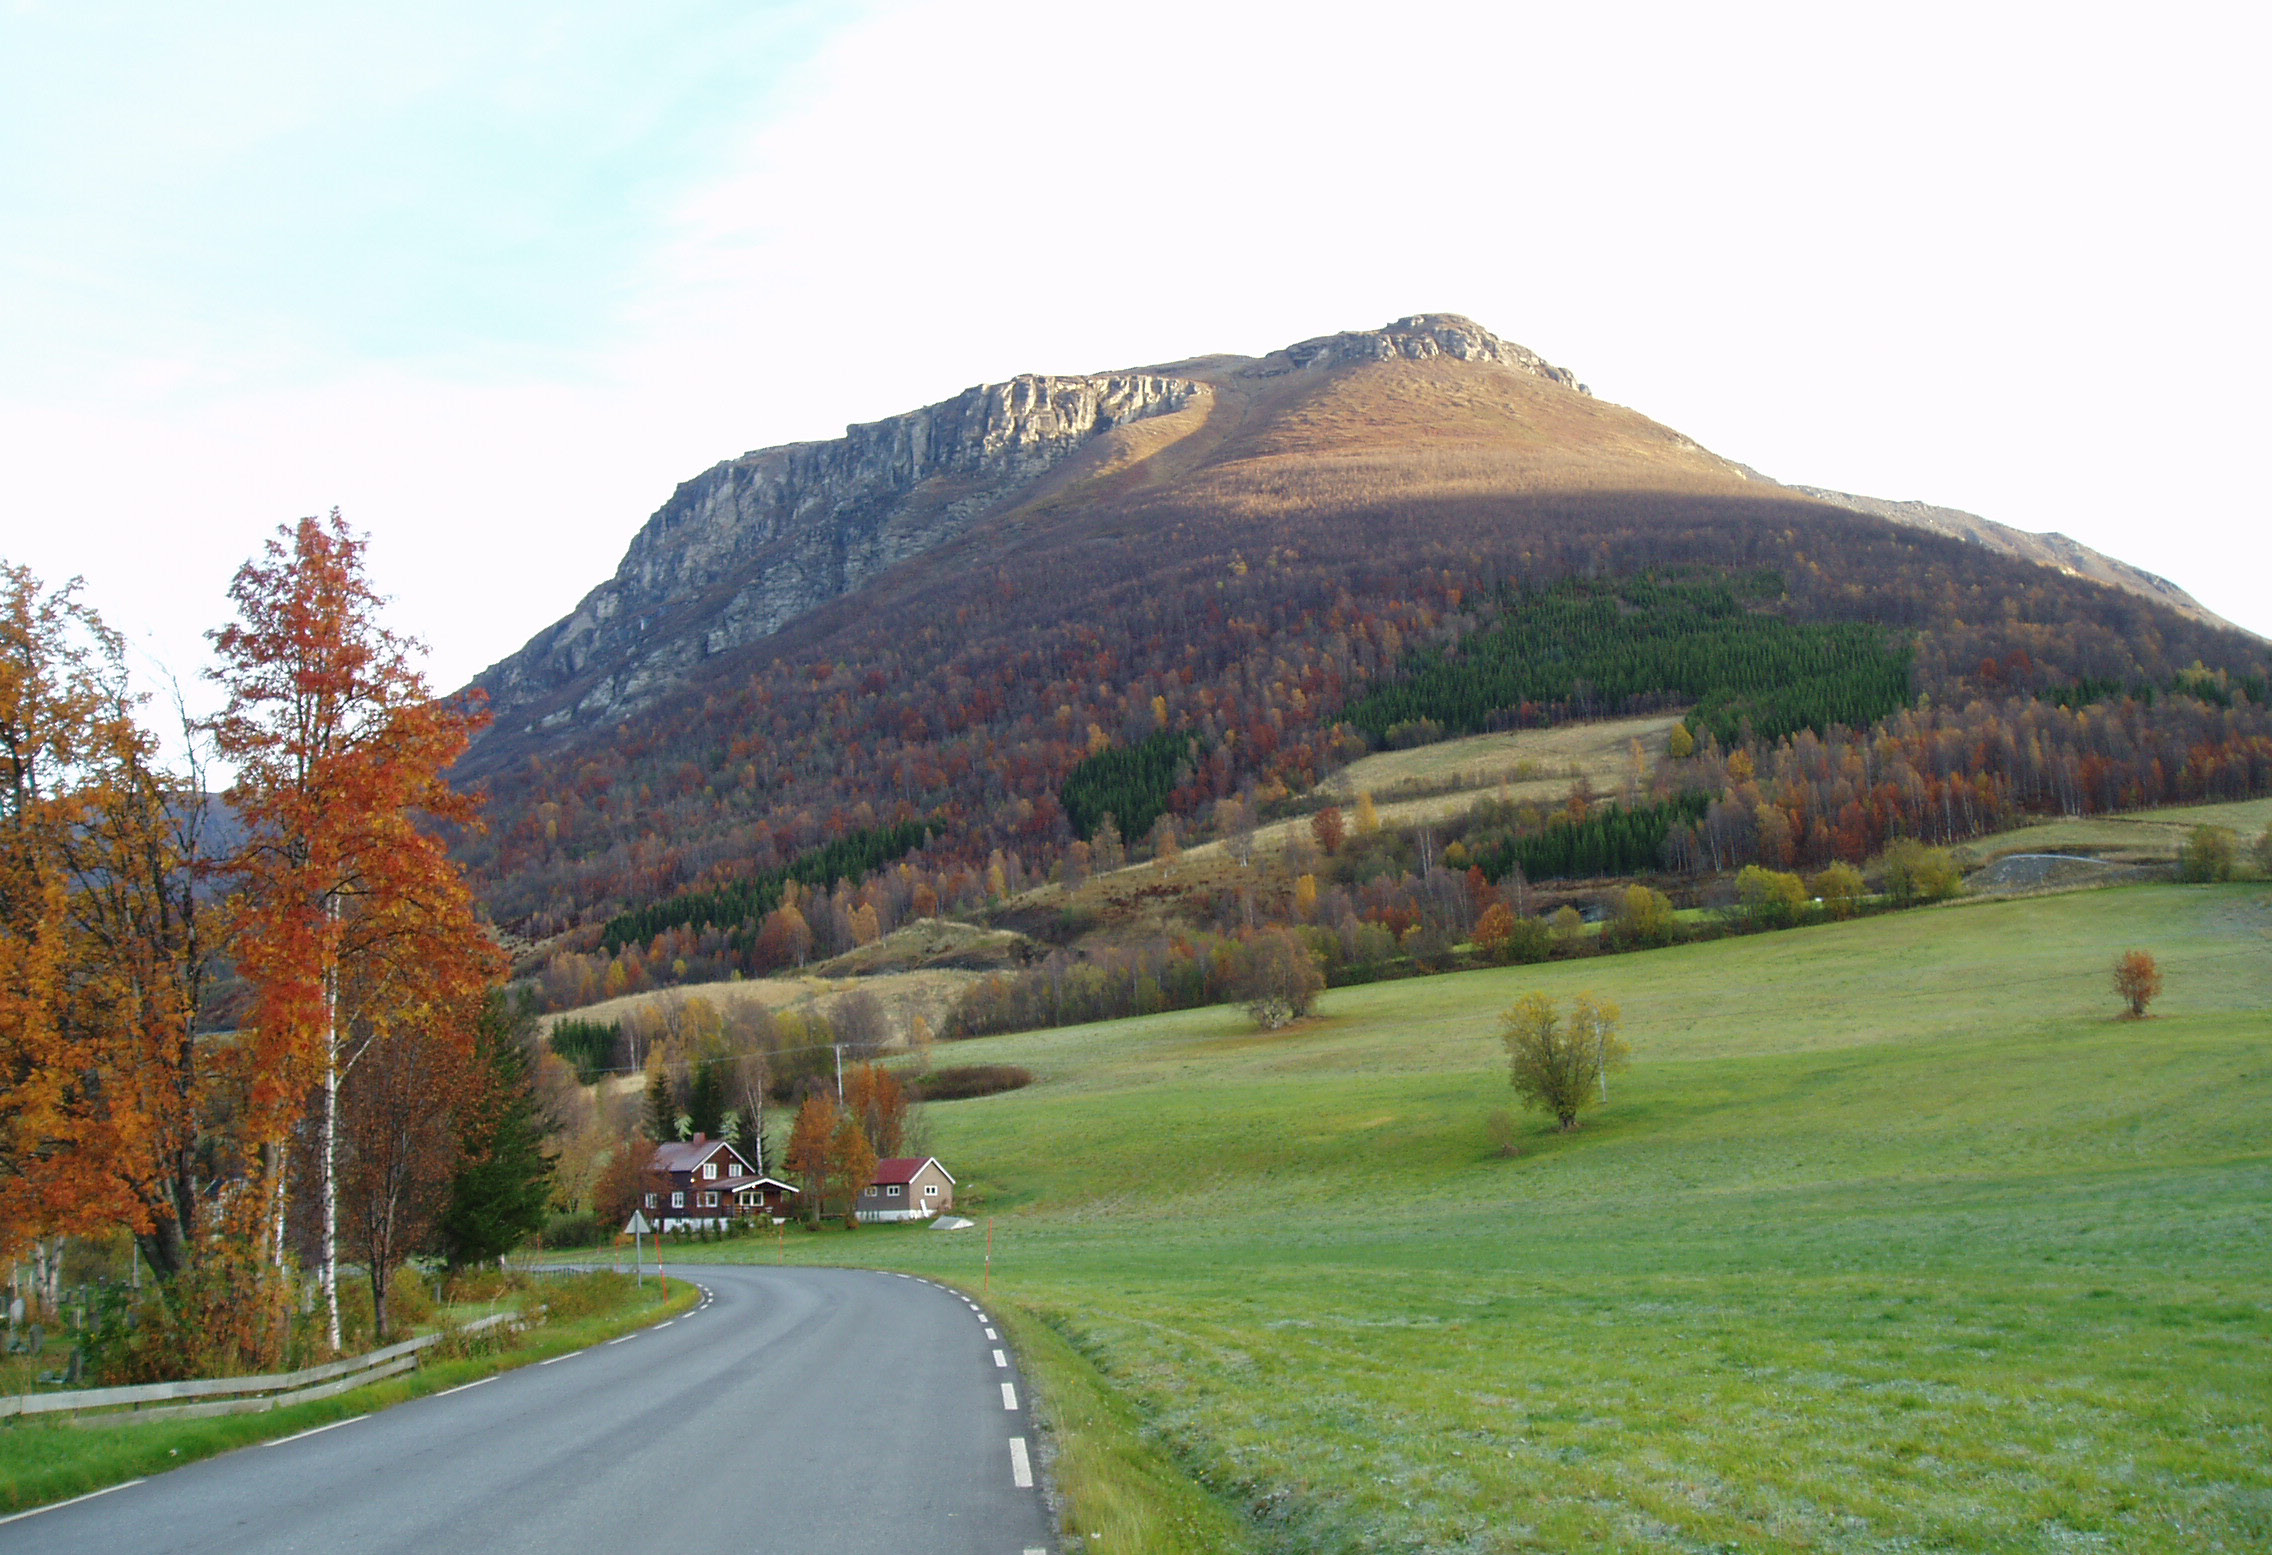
<point x="493" y="279"/>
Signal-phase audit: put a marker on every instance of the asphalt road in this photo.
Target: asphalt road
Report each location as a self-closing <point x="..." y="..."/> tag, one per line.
<point x="797" y="1412"/>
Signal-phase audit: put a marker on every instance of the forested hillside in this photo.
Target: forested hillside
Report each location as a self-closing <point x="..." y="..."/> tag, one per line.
<point x="1339" y="550"/>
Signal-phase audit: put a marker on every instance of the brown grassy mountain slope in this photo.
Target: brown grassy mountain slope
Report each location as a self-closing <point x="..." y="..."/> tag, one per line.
<point x="1236" y="549"/>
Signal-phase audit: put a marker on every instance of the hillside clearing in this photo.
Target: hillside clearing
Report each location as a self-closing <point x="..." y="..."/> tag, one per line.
<point x="2138" y="837"/>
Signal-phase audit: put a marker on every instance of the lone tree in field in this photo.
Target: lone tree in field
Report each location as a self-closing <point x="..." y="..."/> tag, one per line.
<point x="1561" y="1065"/>
<point x="1282" y="980"/>
<point x="2138" y="980"/>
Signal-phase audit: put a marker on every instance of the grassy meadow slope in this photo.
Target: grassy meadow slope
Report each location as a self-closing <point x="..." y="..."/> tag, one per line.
<point x="1890" y="1238"/>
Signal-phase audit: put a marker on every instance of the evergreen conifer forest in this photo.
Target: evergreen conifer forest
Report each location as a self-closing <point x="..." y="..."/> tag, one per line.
<point x="1588" y="647"/>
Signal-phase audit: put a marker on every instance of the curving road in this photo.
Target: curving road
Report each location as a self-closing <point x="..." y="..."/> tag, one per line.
<point x="796" y="1412"/>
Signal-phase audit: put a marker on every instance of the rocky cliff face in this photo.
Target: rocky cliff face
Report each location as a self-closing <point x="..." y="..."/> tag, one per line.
<point x="1417" y="338"/>
<point x="753" y="543"/>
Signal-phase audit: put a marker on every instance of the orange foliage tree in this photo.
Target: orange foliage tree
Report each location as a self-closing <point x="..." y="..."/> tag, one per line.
<point x="2138" y="979"/>
<point x="57" y="714"/>
<point x="851" y="1161"/>
<point x="808" y="1153"/>
<point x="874" y="1096"/>
<point x="351" y="917"/>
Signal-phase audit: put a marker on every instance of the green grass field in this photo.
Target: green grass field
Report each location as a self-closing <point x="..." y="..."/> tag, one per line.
<point x="2141" y="836"/>
<point x="1891" y="1238"/>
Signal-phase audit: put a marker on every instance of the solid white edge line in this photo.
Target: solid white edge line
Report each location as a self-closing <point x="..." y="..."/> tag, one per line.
<point x="461" y="1387"/>
<point x="1021" y="1467"/>
<point x="317" y="1431"/>
<point x="57" y="1506"/>
<point x="1000" y="1359"/>
<point x="1009" y="1396"/>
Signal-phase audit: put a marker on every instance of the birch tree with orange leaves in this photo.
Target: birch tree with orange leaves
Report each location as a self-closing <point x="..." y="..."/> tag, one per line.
<point x="351" y="919"/>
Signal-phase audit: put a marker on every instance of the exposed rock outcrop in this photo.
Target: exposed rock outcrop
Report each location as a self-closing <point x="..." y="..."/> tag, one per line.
<point x="753" y="543"/>
<point x="1417" y="338"/>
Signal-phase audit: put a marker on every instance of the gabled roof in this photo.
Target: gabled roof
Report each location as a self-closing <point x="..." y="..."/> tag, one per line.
<point x="742" y="1184"/>
<point x="902" y="1168"/>
<point x="686" y="1155"/>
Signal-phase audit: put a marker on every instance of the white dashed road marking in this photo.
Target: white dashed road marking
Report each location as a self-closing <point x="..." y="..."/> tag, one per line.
<point x="1000" y="1359"/>
<point x="626" y="1339"/>
<point x="1009" y="1396"/>
<point x="16" y="1517"/>
<point x="1021" y="1468"/>
<point x="318" y="1431"/>
<point x="992" y="1335"/>
<point x="571" y="1355"/>
<point x="461" y="1387"/>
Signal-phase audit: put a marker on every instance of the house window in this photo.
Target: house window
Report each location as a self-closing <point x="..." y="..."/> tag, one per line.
<point x="893" y="1190"/>
<point x="678" y="1201"/>
<point x="930" y="1190"/>
<point x="709" y="1168"/>
<point x="651" y="1200"/>
<point x="710" y="1201"/>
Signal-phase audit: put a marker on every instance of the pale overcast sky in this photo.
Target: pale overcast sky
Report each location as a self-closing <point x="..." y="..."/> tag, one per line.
<point x="494" y="278"/>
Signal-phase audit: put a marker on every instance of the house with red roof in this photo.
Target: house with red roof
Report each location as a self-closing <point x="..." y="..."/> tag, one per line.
<point x="703" y="1183"/>
<point x="907" y="1187"/>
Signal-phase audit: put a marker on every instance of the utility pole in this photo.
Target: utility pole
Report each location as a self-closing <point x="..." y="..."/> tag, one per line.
<point x="839" y="1072"/>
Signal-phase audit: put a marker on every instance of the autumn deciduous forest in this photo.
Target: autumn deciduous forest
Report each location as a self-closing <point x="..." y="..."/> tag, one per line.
<point x="241" y="1027"/>
<point x="1233" y="662"/>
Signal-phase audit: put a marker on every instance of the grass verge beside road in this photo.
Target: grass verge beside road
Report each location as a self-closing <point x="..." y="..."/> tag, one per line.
<point x="1118" y="1489"/>
<point x="45" y="1459"/>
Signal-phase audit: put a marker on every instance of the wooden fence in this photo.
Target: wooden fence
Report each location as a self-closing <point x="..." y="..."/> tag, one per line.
<point x="226" y="1395"/>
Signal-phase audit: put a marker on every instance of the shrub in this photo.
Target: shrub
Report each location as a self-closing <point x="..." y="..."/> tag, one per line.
<point x="2263" y="852"/>
<point x="1644" y="919"/>
<point x="1771" y="899"/>
<point x="1282" y="980"/>
<point x="959" y="1082"/>
<point x="1840" y="887"/>
<point x="1500" y="1129"/>
<point x="2137" y="979"/>
<point x="1915" y="873"/>
<point x="577" y="1228"/>
<point x="410" y="1300"/>
<point x="2206" y="855"/>
<point x="1506" y="936"/>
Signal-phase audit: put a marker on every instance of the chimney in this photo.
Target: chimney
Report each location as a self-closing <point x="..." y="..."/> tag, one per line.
<point x="701" y="1139"/>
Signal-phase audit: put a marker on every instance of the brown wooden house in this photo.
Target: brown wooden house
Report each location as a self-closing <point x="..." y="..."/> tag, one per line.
<point x="704" y="1183"/>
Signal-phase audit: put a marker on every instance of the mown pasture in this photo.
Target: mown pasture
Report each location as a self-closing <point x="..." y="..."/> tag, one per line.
<point x="1892" y="1237"/>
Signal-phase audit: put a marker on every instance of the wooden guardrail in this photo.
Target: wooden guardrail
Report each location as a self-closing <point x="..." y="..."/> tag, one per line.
<point x="224" y="1394"/>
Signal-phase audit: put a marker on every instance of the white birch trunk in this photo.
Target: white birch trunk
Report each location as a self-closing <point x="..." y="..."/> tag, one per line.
<point x="328" y="1170"/>
<point x="330" y="1191"/>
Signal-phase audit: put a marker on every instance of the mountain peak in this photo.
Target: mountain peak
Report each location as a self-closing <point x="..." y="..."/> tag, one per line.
<point x="1416" y="338"/>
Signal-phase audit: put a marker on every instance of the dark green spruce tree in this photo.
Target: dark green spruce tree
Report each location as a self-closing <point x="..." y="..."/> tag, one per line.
<point x="660" y="1115"/>
<point x="503" y="1182"/>
<point x="707" y="1105"/>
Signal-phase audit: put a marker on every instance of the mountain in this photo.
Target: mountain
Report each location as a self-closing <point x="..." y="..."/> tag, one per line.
<point x="755" y="542"/>
<point x="940" y="616"/>
<point x="2050" y="549"/>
